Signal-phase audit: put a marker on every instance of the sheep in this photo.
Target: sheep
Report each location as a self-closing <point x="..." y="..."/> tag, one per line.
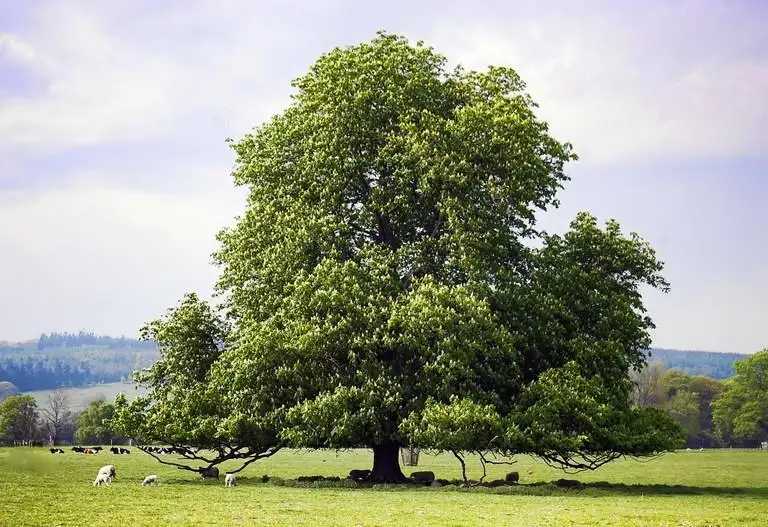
<point x="149" y="480"/>
<point x="109" y="470"/>
<point x="230" y="480"/>
<point x="512" y="478"/>
<point x="210" y="472"/>
<point x="102" y="478"/>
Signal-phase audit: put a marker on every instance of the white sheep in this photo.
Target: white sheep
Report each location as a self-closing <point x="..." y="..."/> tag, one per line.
<point x="149" y="480"/>
<point x="230" y="480"/>
<point x="102" y="479"/>
<point x="109" y="470"/>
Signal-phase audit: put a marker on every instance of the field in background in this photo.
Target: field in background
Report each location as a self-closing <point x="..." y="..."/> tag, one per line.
<point x="710" y="488"/>
<point x="79" y="398"/>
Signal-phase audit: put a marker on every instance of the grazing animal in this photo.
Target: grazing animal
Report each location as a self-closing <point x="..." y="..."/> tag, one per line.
<point x="359" y="475"/>
<point x="230" y="480"/>
<point x="512" y="477"/>
<point x="56" y="451"/>
<point x="109" y="470"/>
<point x="210" y="472"/>
<point x="102" y="478"/>
<point x="78" y="449"/>
<point x="149" y="480"/>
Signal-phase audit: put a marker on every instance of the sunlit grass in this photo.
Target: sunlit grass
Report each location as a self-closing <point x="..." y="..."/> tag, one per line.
<point x="686" y="488"/>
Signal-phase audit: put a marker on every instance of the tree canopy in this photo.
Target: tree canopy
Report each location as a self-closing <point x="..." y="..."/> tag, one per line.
<point x="387" y="284"/>
<point x="18" y="418"/>
<point x="182" y="408"/>
<point x="741" y="410"/>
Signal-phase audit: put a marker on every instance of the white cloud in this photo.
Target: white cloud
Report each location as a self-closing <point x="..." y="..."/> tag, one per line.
<point x="88" y="256"/>
<point x="105" y="83"/>
<point x="624" y="90"/>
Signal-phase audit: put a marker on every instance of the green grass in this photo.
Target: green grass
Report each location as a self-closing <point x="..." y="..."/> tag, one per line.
<point x="79" y="398"/>
<point x="724" y="488"/>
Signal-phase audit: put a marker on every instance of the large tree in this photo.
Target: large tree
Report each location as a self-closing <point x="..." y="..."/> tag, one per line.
<point x="387" y="283"/>
<point x="741" y="410"/>
<point x="183" y="409"/>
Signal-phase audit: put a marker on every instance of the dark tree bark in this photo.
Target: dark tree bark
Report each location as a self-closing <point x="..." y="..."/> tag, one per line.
<point x="386" y="464"/>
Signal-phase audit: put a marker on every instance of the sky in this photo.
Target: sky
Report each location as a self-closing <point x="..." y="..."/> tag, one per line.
<point x="115" y="174"/>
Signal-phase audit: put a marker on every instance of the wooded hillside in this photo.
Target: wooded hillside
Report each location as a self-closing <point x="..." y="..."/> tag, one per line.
<point x="66" y="359"/>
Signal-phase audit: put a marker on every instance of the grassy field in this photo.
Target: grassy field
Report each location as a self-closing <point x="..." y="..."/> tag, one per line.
<point x="79" y="398"/>
<point x="711" y="488"/>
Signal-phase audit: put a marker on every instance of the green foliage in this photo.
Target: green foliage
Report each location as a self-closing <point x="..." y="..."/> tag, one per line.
<point x="683" y="407"/>
<point x="381" y="279"/>
<point x="18" y="418"/>
<point x="741" y="411"/>
<point x="687" y="399"/>
<point x="183" y="407"/>
<point x="460" y="425"/>
<point x="93" y="424"/>
<point x="576" y="421"/>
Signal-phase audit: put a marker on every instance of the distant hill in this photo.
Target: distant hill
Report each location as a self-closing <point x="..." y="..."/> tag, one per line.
<point x="710" y="363"/>
<point x="79" y="398"/>
<point x="68" y="359"/>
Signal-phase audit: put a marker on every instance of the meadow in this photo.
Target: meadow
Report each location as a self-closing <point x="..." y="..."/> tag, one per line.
<point x="710" y="488"/>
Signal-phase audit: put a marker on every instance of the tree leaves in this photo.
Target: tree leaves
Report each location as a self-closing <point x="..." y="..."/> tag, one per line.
<point x="381" y="286"/>
<point x="741" y="410"/>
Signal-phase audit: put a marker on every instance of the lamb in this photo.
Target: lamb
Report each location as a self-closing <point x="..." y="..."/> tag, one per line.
<point x="102" y="478"/>
<point x="230" y="480"/>
<point x="149" y="480"/>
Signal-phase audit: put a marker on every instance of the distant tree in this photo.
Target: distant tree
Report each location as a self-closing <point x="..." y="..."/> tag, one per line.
<point x="93" y="424"/>
<point x="183" y="408"/>
<point x="683" y="407"/>
<point x="707" y="390"/>
<point x="18" y="418"/>
<point x="687" y="399"/>
<point x="56" y="413"/>
<point x="741" y="410"/>
<point x="648" y="388"/>
<point x="384" y="289"/>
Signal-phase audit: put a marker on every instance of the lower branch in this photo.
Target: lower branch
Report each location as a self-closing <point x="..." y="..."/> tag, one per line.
<point x="170" y="463"/>
<point x="225" y="453"/>
<point x="268" y="453"/>
<point x="463" y="465"/>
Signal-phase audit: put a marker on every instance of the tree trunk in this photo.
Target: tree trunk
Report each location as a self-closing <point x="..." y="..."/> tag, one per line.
<point x="386" y="464"/>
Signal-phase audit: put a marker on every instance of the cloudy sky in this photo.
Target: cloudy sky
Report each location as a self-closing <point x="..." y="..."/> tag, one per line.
<point x="114" y="173"/>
